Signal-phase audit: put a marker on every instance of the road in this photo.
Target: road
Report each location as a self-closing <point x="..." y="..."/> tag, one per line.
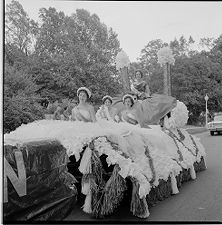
<point x="198" y="200"/>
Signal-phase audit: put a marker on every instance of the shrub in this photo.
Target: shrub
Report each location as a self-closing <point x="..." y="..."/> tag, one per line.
<point x="20" y="110"/>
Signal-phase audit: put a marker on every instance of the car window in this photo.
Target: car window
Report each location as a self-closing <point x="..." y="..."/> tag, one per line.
<point x="218" y="118"/>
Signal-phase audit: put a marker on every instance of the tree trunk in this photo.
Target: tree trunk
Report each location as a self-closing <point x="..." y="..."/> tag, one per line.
<point x="125" y="79"/>
<point x="165" y="80"/>
<point x="169" y="79"/>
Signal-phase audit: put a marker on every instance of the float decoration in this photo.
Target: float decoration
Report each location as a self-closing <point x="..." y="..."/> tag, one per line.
<point x="122" y="65"/>
<point x="165" y="55"/>
<point x="105" y="153"/>
<point x="166" y="59"/>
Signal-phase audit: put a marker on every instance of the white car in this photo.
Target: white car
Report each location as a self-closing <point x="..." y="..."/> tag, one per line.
<point x="216" y="124"/>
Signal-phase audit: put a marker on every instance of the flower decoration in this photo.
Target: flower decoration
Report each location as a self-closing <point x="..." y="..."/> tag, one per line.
<point x="122" y="60"/>
<point x="165" y="55"/>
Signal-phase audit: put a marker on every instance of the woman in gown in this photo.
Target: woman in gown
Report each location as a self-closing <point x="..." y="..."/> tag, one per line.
<point x="129" y="115"/>
<point x="140" y="87"/>
<point x="152" y="107"/>
<point x="106" y="111"/>
<point x="83" y="111"/>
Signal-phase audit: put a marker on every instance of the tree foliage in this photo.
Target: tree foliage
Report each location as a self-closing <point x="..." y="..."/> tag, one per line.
<point x="20" y="99"/>
<point x="67" y="52"/>
<point x="194" y="74"/>
<point x="81" y="48"/>
<point x="20" y="29"/>
<point x="54" y="58"/>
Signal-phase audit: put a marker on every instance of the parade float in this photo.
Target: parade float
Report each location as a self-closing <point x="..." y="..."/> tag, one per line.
<point x="113" y="160"/>
<point x="49" y="163"/>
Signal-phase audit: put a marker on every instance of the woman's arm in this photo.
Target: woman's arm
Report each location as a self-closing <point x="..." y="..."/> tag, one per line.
<point x="92" y="113"/>
<point x="133" y="89"/>
<point x="128" y="119"/>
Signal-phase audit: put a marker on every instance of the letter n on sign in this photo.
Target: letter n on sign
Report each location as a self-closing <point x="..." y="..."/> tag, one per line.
<point x="18" y="182"/>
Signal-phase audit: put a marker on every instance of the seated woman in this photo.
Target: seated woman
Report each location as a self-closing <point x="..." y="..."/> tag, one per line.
<point x="83" y="111"/>
<point x="139" y="86"/>
<point x="129" y="115"/>
<point x="152" y="107"/>
<point x="106" y="111"/>
<point x="135" y="98"/>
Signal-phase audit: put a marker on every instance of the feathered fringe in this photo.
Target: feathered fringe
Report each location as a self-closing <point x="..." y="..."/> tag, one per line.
<point x="192" y="172"/>
<point x="85" y="187"/>
<point x="87" y="207"/>
<point x="113" y="192"/>
<point x="85" y="165"/>
<point x="138" y="207"/>
<point x="97" y="185"/>
<point x="174" y="184"/>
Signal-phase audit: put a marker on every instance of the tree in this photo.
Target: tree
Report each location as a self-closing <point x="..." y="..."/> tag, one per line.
<point x="207" y="43"/>
<point x="192" y="78"/>
<point x="149" y="62"/>
<point x="75" y="51"/>
<point x="182" y="47"/>
<point x="20" y="105"/>
<point x="193" y="75"/>
<point x="148" y="58"/>
<point x="51" y="33"/>
<point x="20" y="30"/>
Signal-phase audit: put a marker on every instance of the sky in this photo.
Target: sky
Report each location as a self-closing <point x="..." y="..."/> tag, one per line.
<point x="137" y="23"/>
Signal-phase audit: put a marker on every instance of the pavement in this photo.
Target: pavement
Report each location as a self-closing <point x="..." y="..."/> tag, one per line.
<point x="199" y="199"/>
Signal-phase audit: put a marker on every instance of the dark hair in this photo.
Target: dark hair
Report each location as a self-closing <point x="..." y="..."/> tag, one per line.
<point x="85" y="93"/>
<point x="108" y="99"/>
<point x="132" y="101"/>
<point x="141" y="73"/>
<point x="169" y="114"/>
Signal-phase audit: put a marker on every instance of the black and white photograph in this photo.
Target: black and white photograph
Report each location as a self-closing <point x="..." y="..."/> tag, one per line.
<point x="112" y="112"/>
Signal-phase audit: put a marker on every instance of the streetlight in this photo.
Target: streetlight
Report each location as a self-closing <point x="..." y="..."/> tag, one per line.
<point x="206" y="99"/>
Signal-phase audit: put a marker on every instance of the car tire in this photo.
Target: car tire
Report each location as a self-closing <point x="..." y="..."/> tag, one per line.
<point x="212" y="133"/>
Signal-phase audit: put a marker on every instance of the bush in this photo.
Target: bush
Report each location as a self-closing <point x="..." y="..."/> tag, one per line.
<point x="20" y="110"/>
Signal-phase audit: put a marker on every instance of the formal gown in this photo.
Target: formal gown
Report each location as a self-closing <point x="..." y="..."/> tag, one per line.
<point x="149" y="109"/>
<point x="81" y="115"/>
<point x="129" y="117"/>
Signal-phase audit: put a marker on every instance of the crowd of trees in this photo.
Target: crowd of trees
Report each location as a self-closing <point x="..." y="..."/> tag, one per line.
<point x="53" y="58"/>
